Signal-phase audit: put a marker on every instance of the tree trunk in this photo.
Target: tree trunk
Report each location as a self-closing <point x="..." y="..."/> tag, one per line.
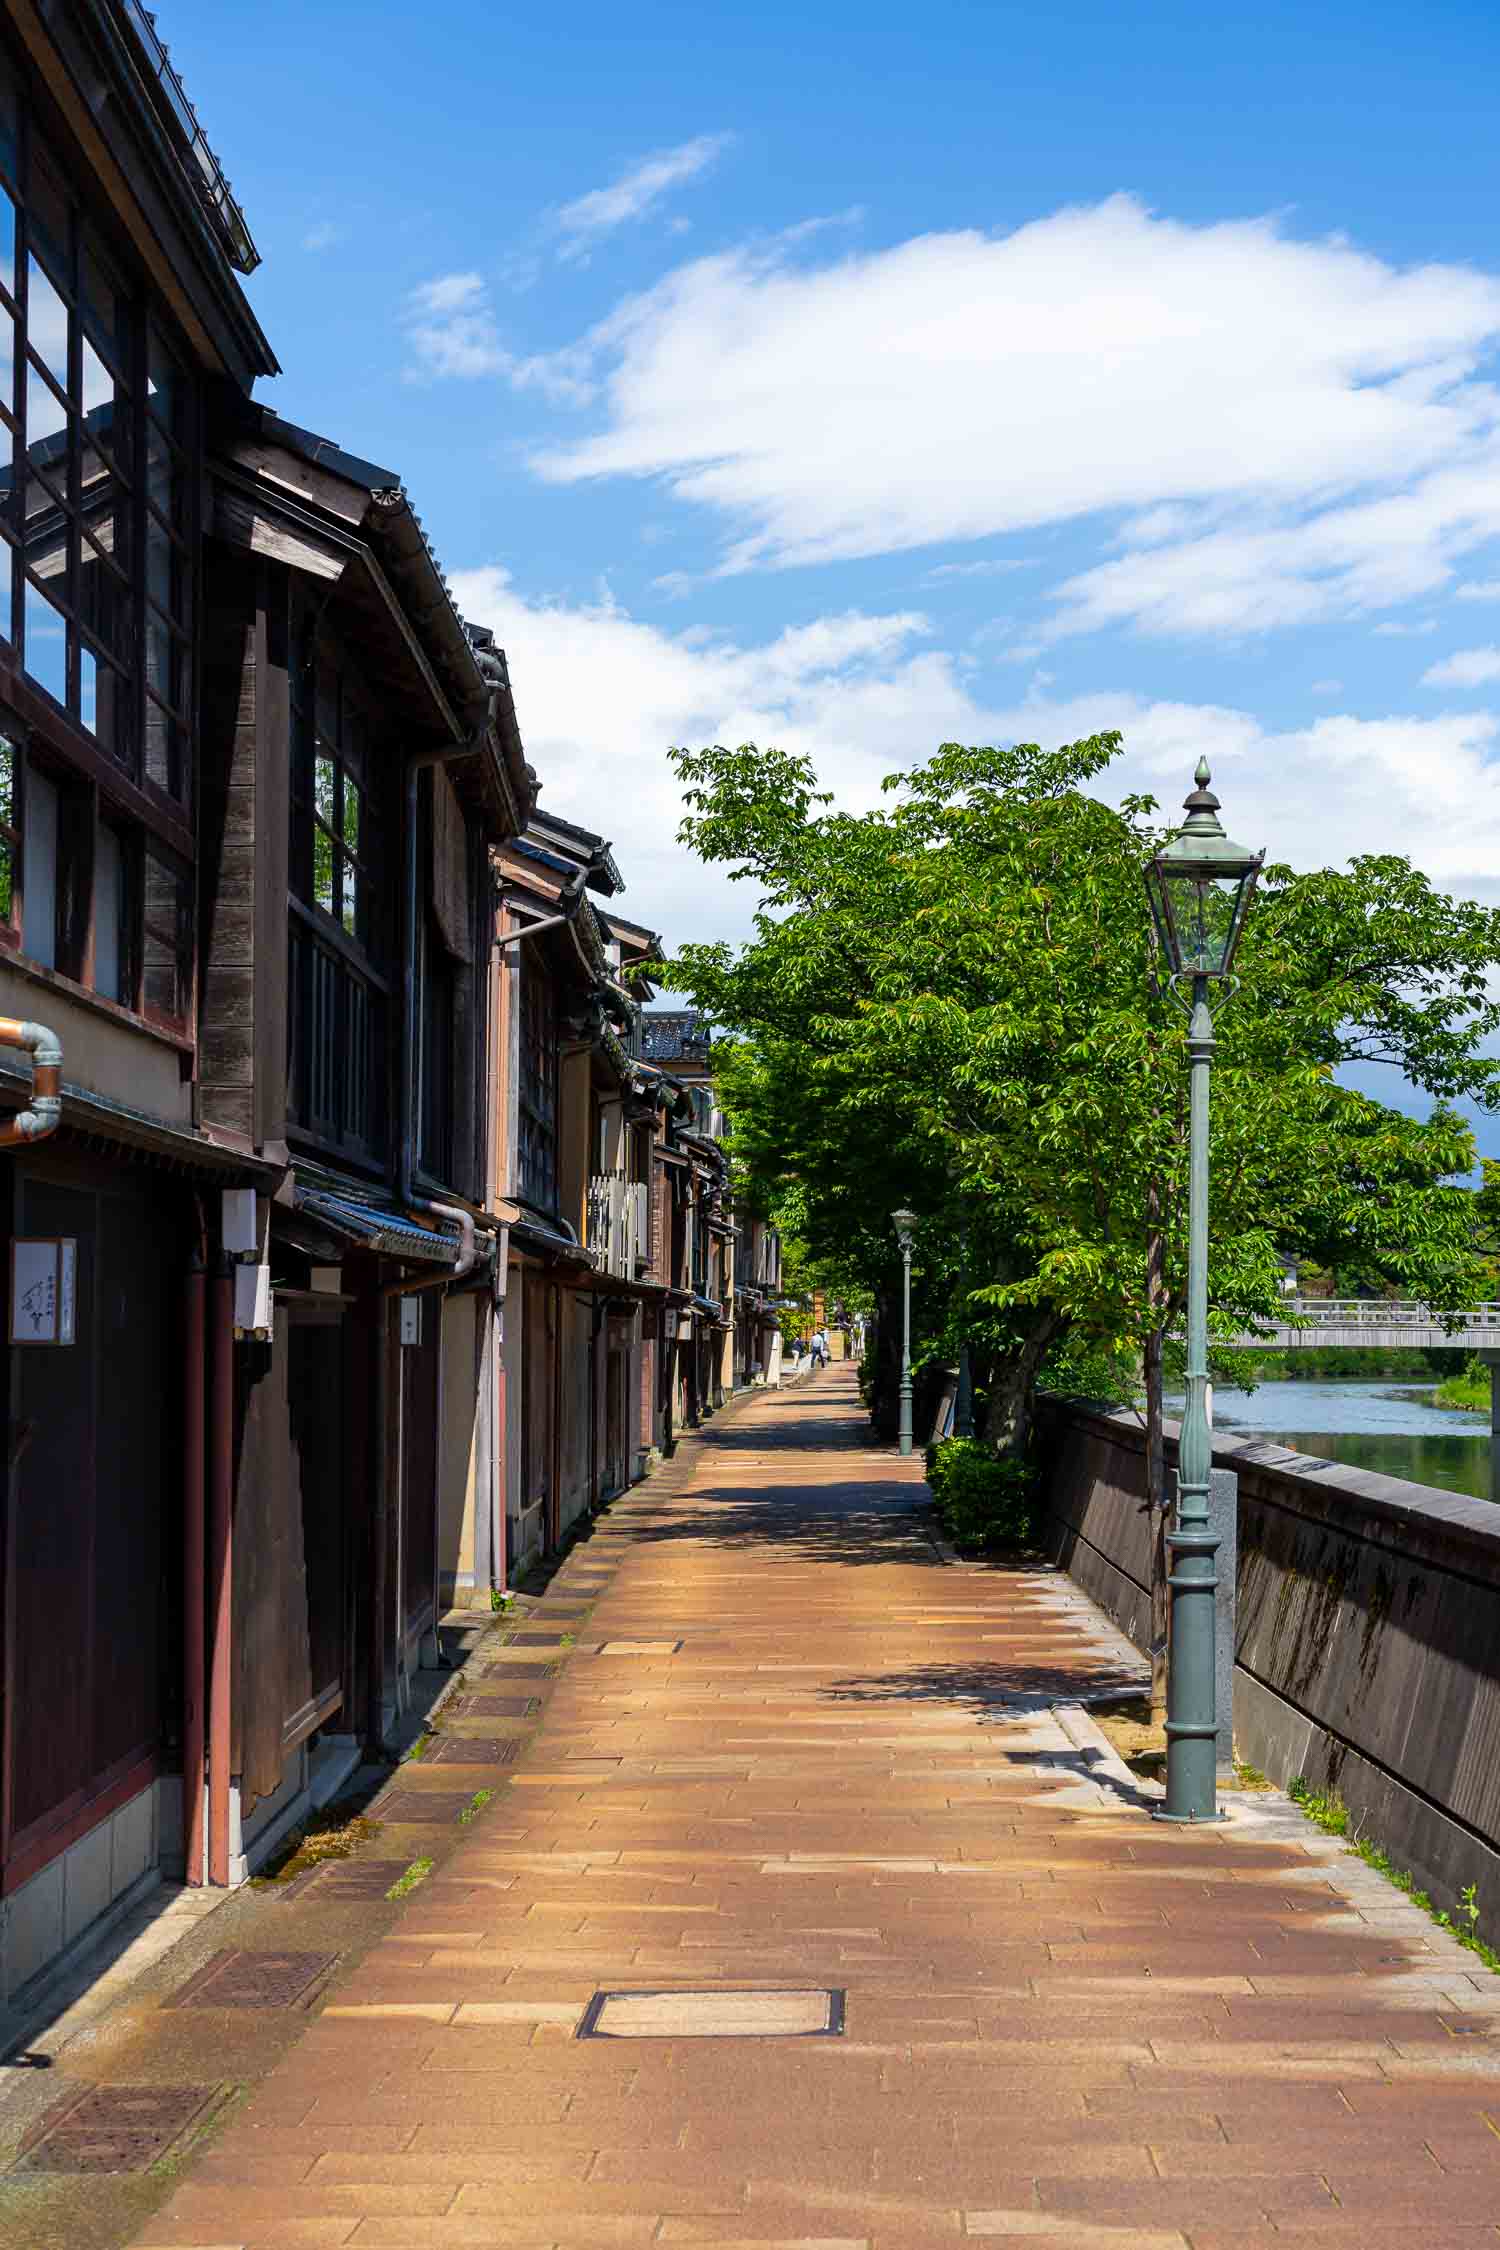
<point x="1007" y="1425"/>
<point x="883" y="1391"/>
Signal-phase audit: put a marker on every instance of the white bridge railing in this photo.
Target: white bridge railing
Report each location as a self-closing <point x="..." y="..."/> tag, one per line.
<point x="1311" y="1313"/>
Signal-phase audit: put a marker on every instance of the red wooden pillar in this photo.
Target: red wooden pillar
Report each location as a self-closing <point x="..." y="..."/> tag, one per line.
<point x="192" y="1571"/>
<point x="220" y="1566"/>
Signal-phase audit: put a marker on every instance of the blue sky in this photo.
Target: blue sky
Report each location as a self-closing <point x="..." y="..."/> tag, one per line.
<point x="859" y="378"/>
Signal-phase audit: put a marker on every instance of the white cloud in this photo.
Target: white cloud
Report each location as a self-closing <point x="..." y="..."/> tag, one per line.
<point x="993" y="567"/>
<point x="1410" y="630"/>
<point x="324" y="236"/>
<point x="451" y="330"/>
<point x="1326" y="687"/>
<point x="1100" y="365"/>
<point x="1466" y="668"/>
<point x="589" y="217"/>
<point x="1478" y="590"/>
<point x="601" y="695"/>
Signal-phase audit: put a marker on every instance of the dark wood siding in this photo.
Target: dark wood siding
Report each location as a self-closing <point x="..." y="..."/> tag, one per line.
<point x="93" y="1509"/>
<point x="290" y="1588"/>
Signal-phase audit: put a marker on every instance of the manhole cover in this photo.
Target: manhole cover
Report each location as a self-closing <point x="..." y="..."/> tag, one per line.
<point x="420" y="1807"/>
<point x="469" y="1750"/>
<point x="253" y="1980"/>
<point x="809" y="2013"/>
<point x="349" y="1879"/>
<point x="495" y="1706"/>
<point x="639" y="1648"/>
<point x="113" y="2128"/>
<point x="508" y="1672"/>
<point x="535" y="1640"/>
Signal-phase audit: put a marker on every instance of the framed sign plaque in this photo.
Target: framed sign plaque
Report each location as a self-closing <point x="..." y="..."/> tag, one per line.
<point x="43" y="1271"/>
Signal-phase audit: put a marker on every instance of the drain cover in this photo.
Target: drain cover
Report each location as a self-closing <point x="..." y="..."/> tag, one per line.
<point x="348" y="1879"/>
<point x="495" y="1706"/>
<point x="421" y="1807"/>
<point x="114" y="2128"/>
<point x="253" y="1980"/>
<point x="469" y="1750"/>
<point x="639" y="1648"/>
<point x="500" y="1670"/>
<point x="815" y="2012"/>
<point x="535" y="1640"/>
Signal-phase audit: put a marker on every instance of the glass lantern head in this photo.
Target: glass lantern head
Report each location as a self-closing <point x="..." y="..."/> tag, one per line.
<point x="1200" y="886"/>
<point x="905" y="1224"/>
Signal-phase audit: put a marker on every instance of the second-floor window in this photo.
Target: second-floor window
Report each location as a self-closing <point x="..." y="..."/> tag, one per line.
<point x="100" y="415"/>
<point x="89" y="895"/>
<point x="337" y="1061"/>
<point x="536" y="1131"/>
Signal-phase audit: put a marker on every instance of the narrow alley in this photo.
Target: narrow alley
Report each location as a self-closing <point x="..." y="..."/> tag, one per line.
<point x="908" y="1961"/>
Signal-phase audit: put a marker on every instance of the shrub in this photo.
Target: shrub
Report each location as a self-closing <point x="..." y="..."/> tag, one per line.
<point x="983" y="1503"/>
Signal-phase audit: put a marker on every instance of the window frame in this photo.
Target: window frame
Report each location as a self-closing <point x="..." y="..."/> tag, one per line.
<point x="100" y="290"/>
<point x="538" y="1065"/>
<point x="84" y="809"/>
<point x="340" y="990"/>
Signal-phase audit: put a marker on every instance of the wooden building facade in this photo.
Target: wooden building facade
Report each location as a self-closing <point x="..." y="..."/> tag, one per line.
<point x="252" y="765"/>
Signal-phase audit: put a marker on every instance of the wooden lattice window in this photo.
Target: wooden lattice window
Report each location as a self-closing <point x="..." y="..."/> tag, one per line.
<point x="537" y="1105"/>
<point x="339" y="992"/>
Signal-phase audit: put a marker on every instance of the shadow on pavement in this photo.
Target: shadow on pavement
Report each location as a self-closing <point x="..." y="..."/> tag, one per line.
<point x="987" y="1687"/>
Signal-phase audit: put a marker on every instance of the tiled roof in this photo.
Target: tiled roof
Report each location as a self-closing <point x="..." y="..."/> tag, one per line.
<point x="667" y="1034"/>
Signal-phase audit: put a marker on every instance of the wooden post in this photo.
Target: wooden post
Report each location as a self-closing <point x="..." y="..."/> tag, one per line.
<point x="192" y="1572"/>
<point x="1492" y="1362"/>
<point x="220" y="1568"/>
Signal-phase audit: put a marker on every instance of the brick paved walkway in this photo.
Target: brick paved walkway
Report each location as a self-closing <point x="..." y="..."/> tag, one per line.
<point x="1062" y="2023"/>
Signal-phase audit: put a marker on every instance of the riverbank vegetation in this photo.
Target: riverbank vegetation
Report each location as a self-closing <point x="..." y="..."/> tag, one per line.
<point x="1328" y="1363"/>
<point x="949" y="1002"/>
<point x="1470" y="1388"/>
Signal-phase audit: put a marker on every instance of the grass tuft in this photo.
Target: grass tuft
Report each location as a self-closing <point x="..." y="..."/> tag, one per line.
<point x="323" y="1836"/>
<point x="406" y="1883"/>
<point x="1327" y="1810"/>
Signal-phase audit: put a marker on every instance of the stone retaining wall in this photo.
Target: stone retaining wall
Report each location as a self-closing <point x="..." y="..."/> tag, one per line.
<point x="1367" y="1651"/>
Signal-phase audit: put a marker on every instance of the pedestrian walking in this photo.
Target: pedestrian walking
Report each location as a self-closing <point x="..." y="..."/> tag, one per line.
<point x="820" y="1348"/>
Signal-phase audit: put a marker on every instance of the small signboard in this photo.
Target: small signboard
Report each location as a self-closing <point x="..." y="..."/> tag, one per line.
<point x="43" y="1288"/>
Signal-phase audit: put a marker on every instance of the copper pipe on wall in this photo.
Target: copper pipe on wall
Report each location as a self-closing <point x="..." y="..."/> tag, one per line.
<point x="220" y="1565"/>
<point x="192" y="1568"/>
<point x="45" y="1112"/>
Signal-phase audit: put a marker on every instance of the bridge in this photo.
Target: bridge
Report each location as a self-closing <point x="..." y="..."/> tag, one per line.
<point x="1373" y="1323"/>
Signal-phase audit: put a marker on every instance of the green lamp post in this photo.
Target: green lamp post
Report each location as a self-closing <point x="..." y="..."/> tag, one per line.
<point x="1200" y="887"/>
<point x="905" y="1224"/>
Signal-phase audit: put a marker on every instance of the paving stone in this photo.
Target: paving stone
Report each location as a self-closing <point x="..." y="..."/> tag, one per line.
<point x="808" y="1757"/>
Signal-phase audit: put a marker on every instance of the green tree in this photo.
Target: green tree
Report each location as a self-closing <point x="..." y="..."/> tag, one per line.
<point x="949" y="1002"/>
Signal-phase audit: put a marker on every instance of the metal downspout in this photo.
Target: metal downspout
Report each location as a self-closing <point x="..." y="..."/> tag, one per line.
<point x="45" y="1113"/>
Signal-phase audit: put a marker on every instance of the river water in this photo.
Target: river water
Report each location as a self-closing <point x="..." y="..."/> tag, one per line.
<point x="1392" y="1426"/>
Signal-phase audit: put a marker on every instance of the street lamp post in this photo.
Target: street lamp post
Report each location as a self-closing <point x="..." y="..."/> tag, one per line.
<point x="1200" y="888"/>
<point x="905" y="1224"/>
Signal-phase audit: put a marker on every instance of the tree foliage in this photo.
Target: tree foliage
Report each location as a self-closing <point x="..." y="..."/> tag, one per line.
<point x="951" y="1002"/>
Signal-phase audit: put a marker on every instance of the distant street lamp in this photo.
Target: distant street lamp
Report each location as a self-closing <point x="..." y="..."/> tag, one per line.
<point x="905" y="1224"/>
<point x="1200" y="888"/>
